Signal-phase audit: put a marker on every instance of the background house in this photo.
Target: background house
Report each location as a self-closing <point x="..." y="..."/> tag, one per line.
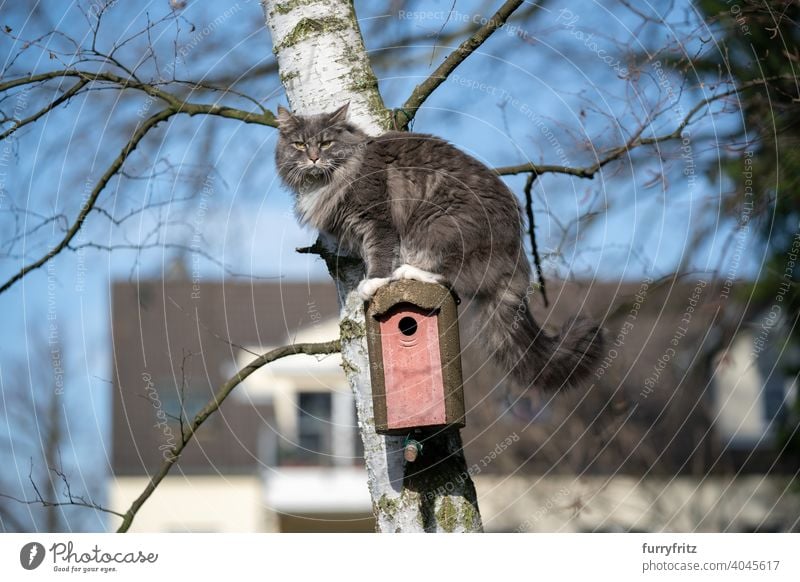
<point x="676" y="432"/>
<point x="280" y="455"/>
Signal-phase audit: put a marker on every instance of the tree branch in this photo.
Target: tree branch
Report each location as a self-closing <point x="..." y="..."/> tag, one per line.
<point x="537" y="261"/>
<point x="176" y="106"/>
<point x="66" y="96"/>
<point x="140" y="132"/>
<point x="175" y="103"/>
<point x="635" y="141"/>
<point x="78" y="501"/>
<point x="212" y="406"/>
<point x="188" y="431"/>
<point x="421" y="92"/>
<point x="333" y="261"/>
<point x="71" y="500"/>
<point x="88" y="76"/>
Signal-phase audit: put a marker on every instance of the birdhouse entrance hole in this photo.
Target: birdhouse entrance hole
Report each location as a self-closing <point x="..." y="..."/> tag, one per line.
<point x="408" y="326"/>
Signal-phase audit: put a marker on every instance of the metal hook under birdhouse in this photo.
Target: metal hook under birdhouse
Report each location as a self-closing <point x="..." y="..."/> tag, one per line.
<point x="415" y="357"/>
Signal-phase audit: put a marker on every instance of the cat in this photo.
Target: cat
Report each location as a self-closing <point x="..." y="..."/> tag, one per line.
<point x="414" y="206"/>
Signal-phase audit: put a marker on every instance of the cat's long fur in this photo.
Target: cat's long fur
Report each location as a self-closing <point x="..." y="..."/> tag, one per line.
<point x="411" y="199"/>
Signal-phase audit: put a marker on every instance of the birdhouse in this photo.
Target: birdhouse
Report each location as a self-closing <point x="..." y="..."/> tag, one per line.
<point x="415" y="357"/>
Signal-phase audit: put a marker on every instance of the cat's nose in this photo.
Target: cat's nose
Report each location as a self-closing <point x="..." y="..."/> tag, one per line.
<point x="313" y="156"/>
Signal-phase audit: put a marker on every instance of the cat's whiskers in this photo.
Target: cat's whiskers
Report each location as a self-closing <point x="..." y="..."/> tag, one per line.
<point x="295" y="175"/>
<point x="327" y="173"/>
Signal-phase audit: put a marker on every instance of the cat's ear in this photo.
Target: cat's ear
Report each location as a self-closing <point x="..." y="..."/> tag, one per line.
<point x="286" y="121"/>
<point x="340" y="115"/>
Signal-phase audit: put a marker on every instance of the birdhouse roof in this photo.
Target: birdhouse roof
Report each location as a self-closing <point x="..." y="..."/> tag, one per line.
<point x="429" y="296"/>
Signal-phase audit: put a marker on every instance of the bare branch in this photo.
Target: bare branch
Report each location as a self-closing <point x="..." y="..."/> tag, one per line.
<point x="537" y="261"/>
<point x="175" y="106"/>
<point x="212" y="406"/>
<point x="71" y="500"/>
<point x="178" y="105"/>
<point x="145" y="246"/>
<point x="421" y="92"/>
<point x="333" y="260"/>
<point x="140" y="132"/>
<point x="182" y="394"/>
<point x="78" y="501"/>
<point x="66" y="96"/>
<point x="635" y="141"/>
<point x="88" y="76"/>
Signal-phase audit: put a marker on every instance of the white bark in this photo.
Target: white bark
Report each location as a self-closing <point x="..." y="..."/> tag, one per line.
<point x="322" y="60"/>
<point x="323" y="64"/>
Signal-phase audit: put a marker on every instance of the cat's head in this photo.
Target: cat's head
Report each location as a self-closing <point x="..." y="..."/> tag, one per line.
<point x="310" y="148"/>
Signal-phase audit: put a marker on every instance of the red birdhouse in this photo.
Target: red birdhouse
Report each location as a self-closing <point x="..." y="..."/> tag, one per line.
<point x="414" y="352"/>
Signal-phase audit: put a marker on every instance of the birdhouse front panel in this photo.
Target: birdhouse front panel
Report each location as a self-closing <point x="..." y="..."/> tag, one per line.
<point x="413" y="382"/>
<point x="415" y="357"/>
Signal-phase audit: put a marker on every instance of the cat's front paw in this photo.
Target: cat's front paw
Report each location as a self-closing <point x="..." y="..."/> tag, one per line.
<point x="368" y="287"/>
<point x="411" y="272"/>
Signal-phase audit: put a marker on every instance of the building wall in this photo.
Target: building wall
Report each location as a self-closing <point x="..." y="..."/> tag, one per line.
<point x="195" y="503"/>
<point x="625" y="503"/>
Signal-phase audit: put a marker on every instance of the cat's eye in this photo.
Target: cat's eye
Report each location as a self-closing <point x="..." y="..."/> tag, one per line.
<point x="299" y="145"/>
<point x="326" y="144"/>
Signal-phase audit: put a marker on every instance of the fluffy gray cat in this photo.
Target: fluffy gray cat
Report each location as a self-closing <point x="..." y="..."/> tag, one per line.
<point x="415" y="207"/>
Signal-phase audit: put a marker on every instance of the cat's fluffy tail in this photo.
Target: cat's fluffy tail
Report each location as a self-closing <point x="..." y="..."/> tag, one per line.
<point x="531" y="356"/>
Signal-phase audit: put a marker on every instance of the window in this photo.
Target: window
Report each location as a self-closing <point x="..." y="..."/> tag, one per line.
<point x="314" y="428"/>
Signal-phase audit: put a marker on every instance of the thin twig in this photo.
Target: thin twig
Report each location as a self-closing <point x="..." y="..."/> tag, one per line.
<point x="73" y="500"/>
<point x="182" y="393"/>
<point x="537" y="261"/>
<point x="436" y="38"/>
<point x="66" y="96"/>
<point x="78" y="501"/>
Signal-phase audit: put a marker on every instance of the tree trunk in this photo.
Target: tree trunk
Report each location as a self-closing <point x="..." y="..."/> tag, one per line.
<point x="52" y="435"/>
<point x="323" y="64"/>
